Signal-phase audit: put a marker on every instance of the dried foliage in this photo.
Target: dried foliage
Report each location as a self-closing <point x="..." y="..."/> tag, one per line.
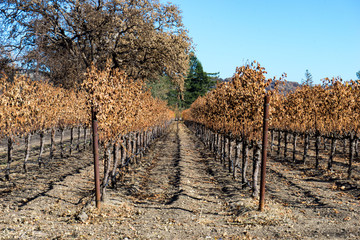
<point x="330" y="109"/>
<point x="122" y="105"/>
<point x="63" y="38"/>
<point x="27" y="106"/>
<point x="234" y="107"/>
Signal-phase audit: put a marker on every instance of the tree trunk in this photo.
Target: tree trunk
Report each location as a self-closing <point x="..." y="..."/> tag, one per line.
<point x="148" y="139"/>
<point x="91" y="139"/>
<point x="272" y="139"/>
<point x="40" y="161"/>
<point x="356" y="147"/>
<point x="116" y="163"/>
<point x="306" y="147"/>
<point x="133" y="144"/>
<point x="52" y="143"/>
<point x="344" y="146"/>
<point x="138" y="145"/>
<point x="147" y="134"/>
<point x="332" y="153"/>
<point x="325" y="140"/>
<point x="230" y="157"/>
<point x="123" y="151"/>
<point x="71" y="140"/>
<point x="107" y="164"/>
<point x="9" y="158"/>
<point x="61" y="142"/>
<point x="128" y="148"/>
<point x="245" y="152"/>
<point x="294" y="147"/>
<point x="211" y="141"/>
<point x="279" y="142"/>
<point x="256" y="167"/>
<point x="285" y="143"/>
<point x="216" y="146"/>
<point x="142" y="143"/>
<point x="140" y="152"/>
<point x="237" y="157"/>
<point x="78" y="139"/>
<point x="27" y="150"/>
<point x="226" y="143"/>
<point x="220" y="147"/>
<point x="289" y="138"/>
<point x="351" y="154"/>
<point x="223" y="147"/>
<point x="317" y="149"/>
<point x="85" y="136"/>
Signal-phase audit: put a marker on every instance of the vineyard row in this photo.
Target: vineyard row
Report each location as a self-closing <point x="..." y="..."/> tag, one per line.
<point x="65" y="145"/>
<point x="320" y="143"/>
<point x="233" y="153"/>
<point x="117" y="157"/>
<point x="235" y="109"/>
<point x="129" y="118"/>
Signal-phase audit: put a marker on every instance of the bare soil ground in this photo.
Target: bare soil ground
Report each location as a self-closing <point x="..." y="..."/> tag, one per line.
<point x="178" y="191"/>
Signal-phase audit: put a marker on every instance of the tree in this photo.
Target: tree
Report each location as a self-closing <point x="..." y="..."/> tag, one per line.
<point x="65" y="37"/>
<point x="358" y="75"/>
<point x="198" y="82"/>
<point x="6" y="66"/>
<point x="308" y="79"/>
<point x="166" y="90"/>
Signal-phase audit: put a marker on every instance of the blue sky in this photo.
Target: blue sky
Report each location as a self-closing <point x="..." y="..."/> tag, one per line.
<point x="290" y="36"/>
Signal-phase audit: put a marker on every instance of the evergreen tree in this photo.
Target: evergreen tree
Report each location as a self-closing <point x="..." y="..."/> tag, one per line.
<point x="308" y="79"/>
<point x="165" y="89"/>
<point x="198" y="82"/>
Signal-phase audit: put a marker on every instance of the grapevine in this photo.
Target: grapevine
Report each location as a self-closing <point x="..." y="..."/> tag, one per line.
<point x="125" y="110"/>
<point x="231" y="115"/>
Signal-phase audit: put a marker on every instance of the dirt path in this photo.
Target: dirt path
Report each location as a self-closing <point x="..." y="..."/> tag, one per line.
<point x="178" y="191"/>
<point x="179" y="195"/>
<point x="323" y="209"/>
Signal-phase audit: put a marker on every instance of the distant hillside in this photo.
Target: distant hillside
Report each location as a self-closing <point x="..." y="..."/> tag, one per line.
<point x="288" y="87"/>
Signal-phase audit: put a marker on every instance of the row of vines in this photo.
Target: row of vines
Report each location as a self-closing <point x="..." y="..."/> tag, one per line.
<point x="327" y="112"/>
<point x="35" y="107"/>
<point x="229" y="118"/>
<point x="129" y="117"/>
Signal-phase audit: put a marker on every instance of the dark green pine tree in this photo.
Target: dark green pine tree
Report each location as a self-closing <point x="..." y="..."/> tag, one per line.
<point x="197" y="82"/>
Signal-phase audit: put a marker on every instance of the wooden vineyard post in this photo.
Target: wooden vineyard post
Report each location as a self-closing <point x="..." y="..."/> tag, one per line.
<point x="264" y="153"/>
<point x="96" y="157"/>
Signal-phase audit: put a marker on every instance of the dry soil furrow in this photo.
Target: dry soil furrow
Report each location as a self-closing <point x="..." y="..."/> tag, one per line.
<point x="181" y="198"/>
<point x="319" y="208"/>
<point x="179" y="191"/>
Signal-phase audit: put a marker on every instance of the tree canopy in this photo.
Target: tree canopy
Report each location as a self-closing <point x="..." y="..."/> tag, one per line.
<point x="308" y="79"/>
<point x="63" y="38"/>
<point x="5" y="64"/>
<point x="197" y="82"/>
<point x="165" y="90"/>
